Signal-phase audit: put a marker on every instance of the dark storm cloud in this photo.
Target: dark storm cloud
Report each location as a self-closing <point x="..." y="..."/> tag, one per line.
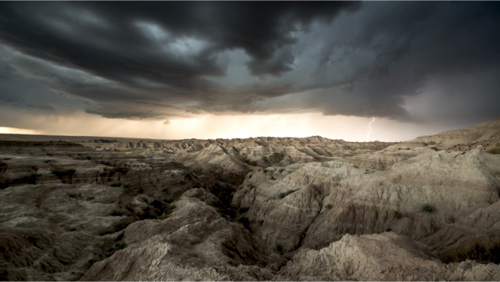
<point x="125" y="43"/>
<point x="162" y="59"/>
<point x="374" y="62"/>
<point x="106" y="38"/>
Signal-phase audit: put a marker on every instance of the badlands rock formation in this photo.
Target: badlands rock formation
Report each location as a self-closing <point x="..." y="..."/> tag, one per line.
<point x="81" y="208"/>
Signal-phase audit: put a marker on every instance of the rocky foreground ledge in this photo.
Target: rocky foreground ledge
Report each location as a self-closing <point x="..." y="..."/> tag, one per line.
<point x="82" y="208"/>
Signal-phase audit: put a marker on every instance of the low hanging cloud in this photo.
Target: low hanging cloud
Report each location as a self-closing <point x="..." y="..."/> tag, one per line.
<point x="161" y="60"/>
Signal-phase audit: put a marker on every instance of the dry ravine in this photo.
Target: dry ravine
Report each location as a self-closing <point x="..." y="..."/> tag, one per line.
<point x="81" y="208"/>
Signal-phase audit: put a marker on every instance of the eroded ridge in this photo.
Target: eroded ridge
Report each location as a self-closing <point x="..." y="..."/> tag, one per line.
<point x="251" y="209"/>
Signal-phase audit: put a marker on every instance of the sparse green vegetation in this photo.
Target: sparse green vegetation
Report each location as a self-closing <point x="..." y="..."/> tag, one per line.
<point x="61" y="172"/>
<point x="477" y="251"/>
<point x="451" y="219"/>
<point x="110" y="171"/>
<point x="119" y="212"/>
<point x="65" y="175"/>
<point x="167" y="212"/>
<point x="250" y="162"/>
<point x="105" y="163"/>
<point x="281" y="170"/>
<point x="250" y="185"/>
<point x="284" y="194"/>
<point x="428" y="208"/>
<point x="74" y="195"/>
<point x="247" y="161"/>
<point x="116" y="184"/>
<point x="398" y="215"/>
<point x="29" y="178"/>
<point x="495" y="150"/>
<point x="120" y="246"/>
<point x="121" y="169"/>
<point x="279" y="249"/>
<point x="329" y="206"/>
<point x="243" y="210"/>
<point x="3" y="167"/>
<point x="277" y="157"/>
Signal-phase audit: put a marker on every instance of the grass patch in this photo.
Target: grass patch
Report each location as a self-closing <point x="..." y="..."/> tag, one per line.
<point x="277" y="157"/>
<point x="398" y="215"/>
<point x="62" y="172"/>
<point x="119" y="212"/>
<point x="65" y="175"/>
<point x="428" y="208"/>
<point x="3" y="167"/>
<point x="284" y="194"/>
<point x="243" y="210"/>
<point x="74" y="195"/>
<point x="29" y="178"/>
<point x="494" y="151"/>
<point x="110" y="171"/>
<point x="167" y="212"/>
<point x="279" y="249"/>
<point x="120" y="246"/>
<point x="249" y="162"/>
<point x="477" y="251"/>
<point x="451" y="219"/>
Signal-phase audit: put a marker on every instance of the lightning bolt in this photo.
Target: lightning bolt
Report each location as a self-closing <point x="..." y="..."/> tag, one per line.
<point x="369" y="129"/>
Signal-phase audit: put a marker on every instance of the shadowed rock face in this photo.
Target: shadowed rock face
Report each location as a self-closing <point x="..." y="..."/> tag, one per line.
<point x="251" y="209"/>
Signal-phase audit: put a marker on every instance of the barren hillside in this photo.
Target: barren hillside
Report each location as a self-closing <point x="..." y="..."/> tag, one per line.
<point x="262" y="208"/>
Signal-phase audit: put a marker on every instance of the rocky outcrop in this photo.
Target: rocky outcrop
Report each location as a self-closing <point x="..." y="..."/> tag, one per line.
<point x="385" y="256"/>
<point x="194" y="243"/>
<point x="317" y="203"/>
<point x="482" y="136"/>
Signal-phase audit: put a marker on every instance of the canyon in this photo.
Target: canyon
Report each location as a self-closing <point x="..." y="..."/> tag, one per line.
<point x="265" y="208"/>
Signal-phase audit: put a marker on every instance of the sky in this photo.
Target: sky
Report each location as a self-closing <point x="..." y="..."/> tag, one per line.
<point x="206" y="70"/>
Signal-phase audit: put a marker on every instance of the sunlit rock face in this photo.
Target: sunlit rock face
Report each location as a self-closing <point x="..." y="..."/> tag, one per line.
<point x="251" y="209"/>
